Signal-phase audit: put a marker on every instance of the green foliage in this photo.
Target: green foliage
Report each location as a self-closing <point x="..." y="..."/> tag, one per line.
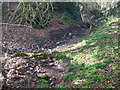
<point x="34" y="14"/>
<point x="94" y="58"/>
<point x="42" y="84"/>
<point x="98" y="53"/>
<point x="107" y="59"/>
<point x="98" y="48"/>
<point x="70" y="11"/>
<point x="109" y="86"/>
<point x="59" y="56"/>
<point x="70" y="67"/>
<point x="99" y="56"/>
<point x="67" y="76"/>
<point x="71" y="8"/>
<point x="92" y="70"/>
<point x="89" y="81"/>
<point x="115" y="67"/>
<point x="100" y="65"/>
<point x="66" y="19"/>
<point x="60" y="85"/>
<point x="97" y="77"/>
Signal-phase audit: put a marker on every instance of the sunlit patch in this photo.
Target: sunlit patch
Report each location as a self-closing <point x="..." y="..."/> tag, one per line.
<point x="78" y="82"/>
<point x="83" y="43"/>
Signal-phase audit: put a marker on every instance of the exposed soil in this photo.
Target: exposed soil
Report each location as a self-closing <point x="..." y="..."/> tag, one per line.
<point x="21" y="39"/>
<point x="21" y="70"/>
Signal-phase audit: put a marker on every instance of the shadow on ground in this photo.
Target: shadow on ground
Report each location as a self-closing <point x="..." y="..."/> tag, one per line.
<point x="20" y="39"/>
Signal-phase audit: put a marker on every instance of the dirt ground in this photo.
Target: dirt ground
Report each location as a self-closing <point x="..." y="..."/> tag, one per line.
<point x="21" y="39"/>
<point x="20" y="70"/>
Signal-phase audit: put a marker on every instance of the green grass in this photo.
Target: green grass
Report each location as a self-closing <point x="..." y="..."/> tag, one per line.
<point x="60" y="85"/>
<point x="42" y="84"/>
<point x="95" y="58"/>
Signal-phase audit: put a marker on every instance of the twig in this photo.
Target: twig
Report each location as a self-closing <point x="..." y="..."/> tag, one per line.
<point x="15" y="25"/>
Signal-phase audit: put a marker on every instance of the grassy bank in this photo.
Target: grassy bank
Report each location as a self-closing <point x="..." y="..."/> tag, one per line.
<point x="95" y="60"/>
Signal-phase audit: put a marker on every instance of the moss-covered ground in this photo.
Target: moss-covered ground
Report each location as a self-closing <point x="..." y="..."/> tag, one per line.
<point x="94" y="61"/>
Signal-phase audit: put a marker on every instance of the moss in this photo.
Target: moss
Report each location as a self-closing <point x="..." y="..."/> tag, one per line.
<point x="30" y="54"/>
<point x="42" y="83"/>
<point x="42" y="76"/>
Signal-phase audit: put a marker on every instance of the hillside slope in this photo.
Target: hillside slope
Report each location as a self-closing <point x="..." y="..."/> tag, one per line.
<point x="95" y="59"/>
<point x="91" y="61"/>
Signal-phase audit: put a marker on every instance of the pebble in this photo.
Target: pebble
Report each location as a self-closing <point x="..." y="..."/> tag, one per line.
<point x="51" y="64"/>
<point x="70" y="34"/>
<point x="28" y="71"/>
<point x="37" y="69"/>
<point x="57" y="42"/>
<point x="31" y="68"/>
<point x="73" y="36"/>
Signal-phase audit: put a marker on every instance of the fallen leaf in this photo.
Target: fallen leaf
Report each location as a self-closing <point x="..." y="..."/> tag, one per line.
<point x="78" y="82"/>
<point x="101" y="70"/>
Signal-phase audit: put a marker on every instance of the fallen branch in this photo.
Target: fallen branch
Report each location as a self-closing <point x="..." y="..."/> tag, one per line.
<point x="19" y="25"/>
<point x="31" y="54"/>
